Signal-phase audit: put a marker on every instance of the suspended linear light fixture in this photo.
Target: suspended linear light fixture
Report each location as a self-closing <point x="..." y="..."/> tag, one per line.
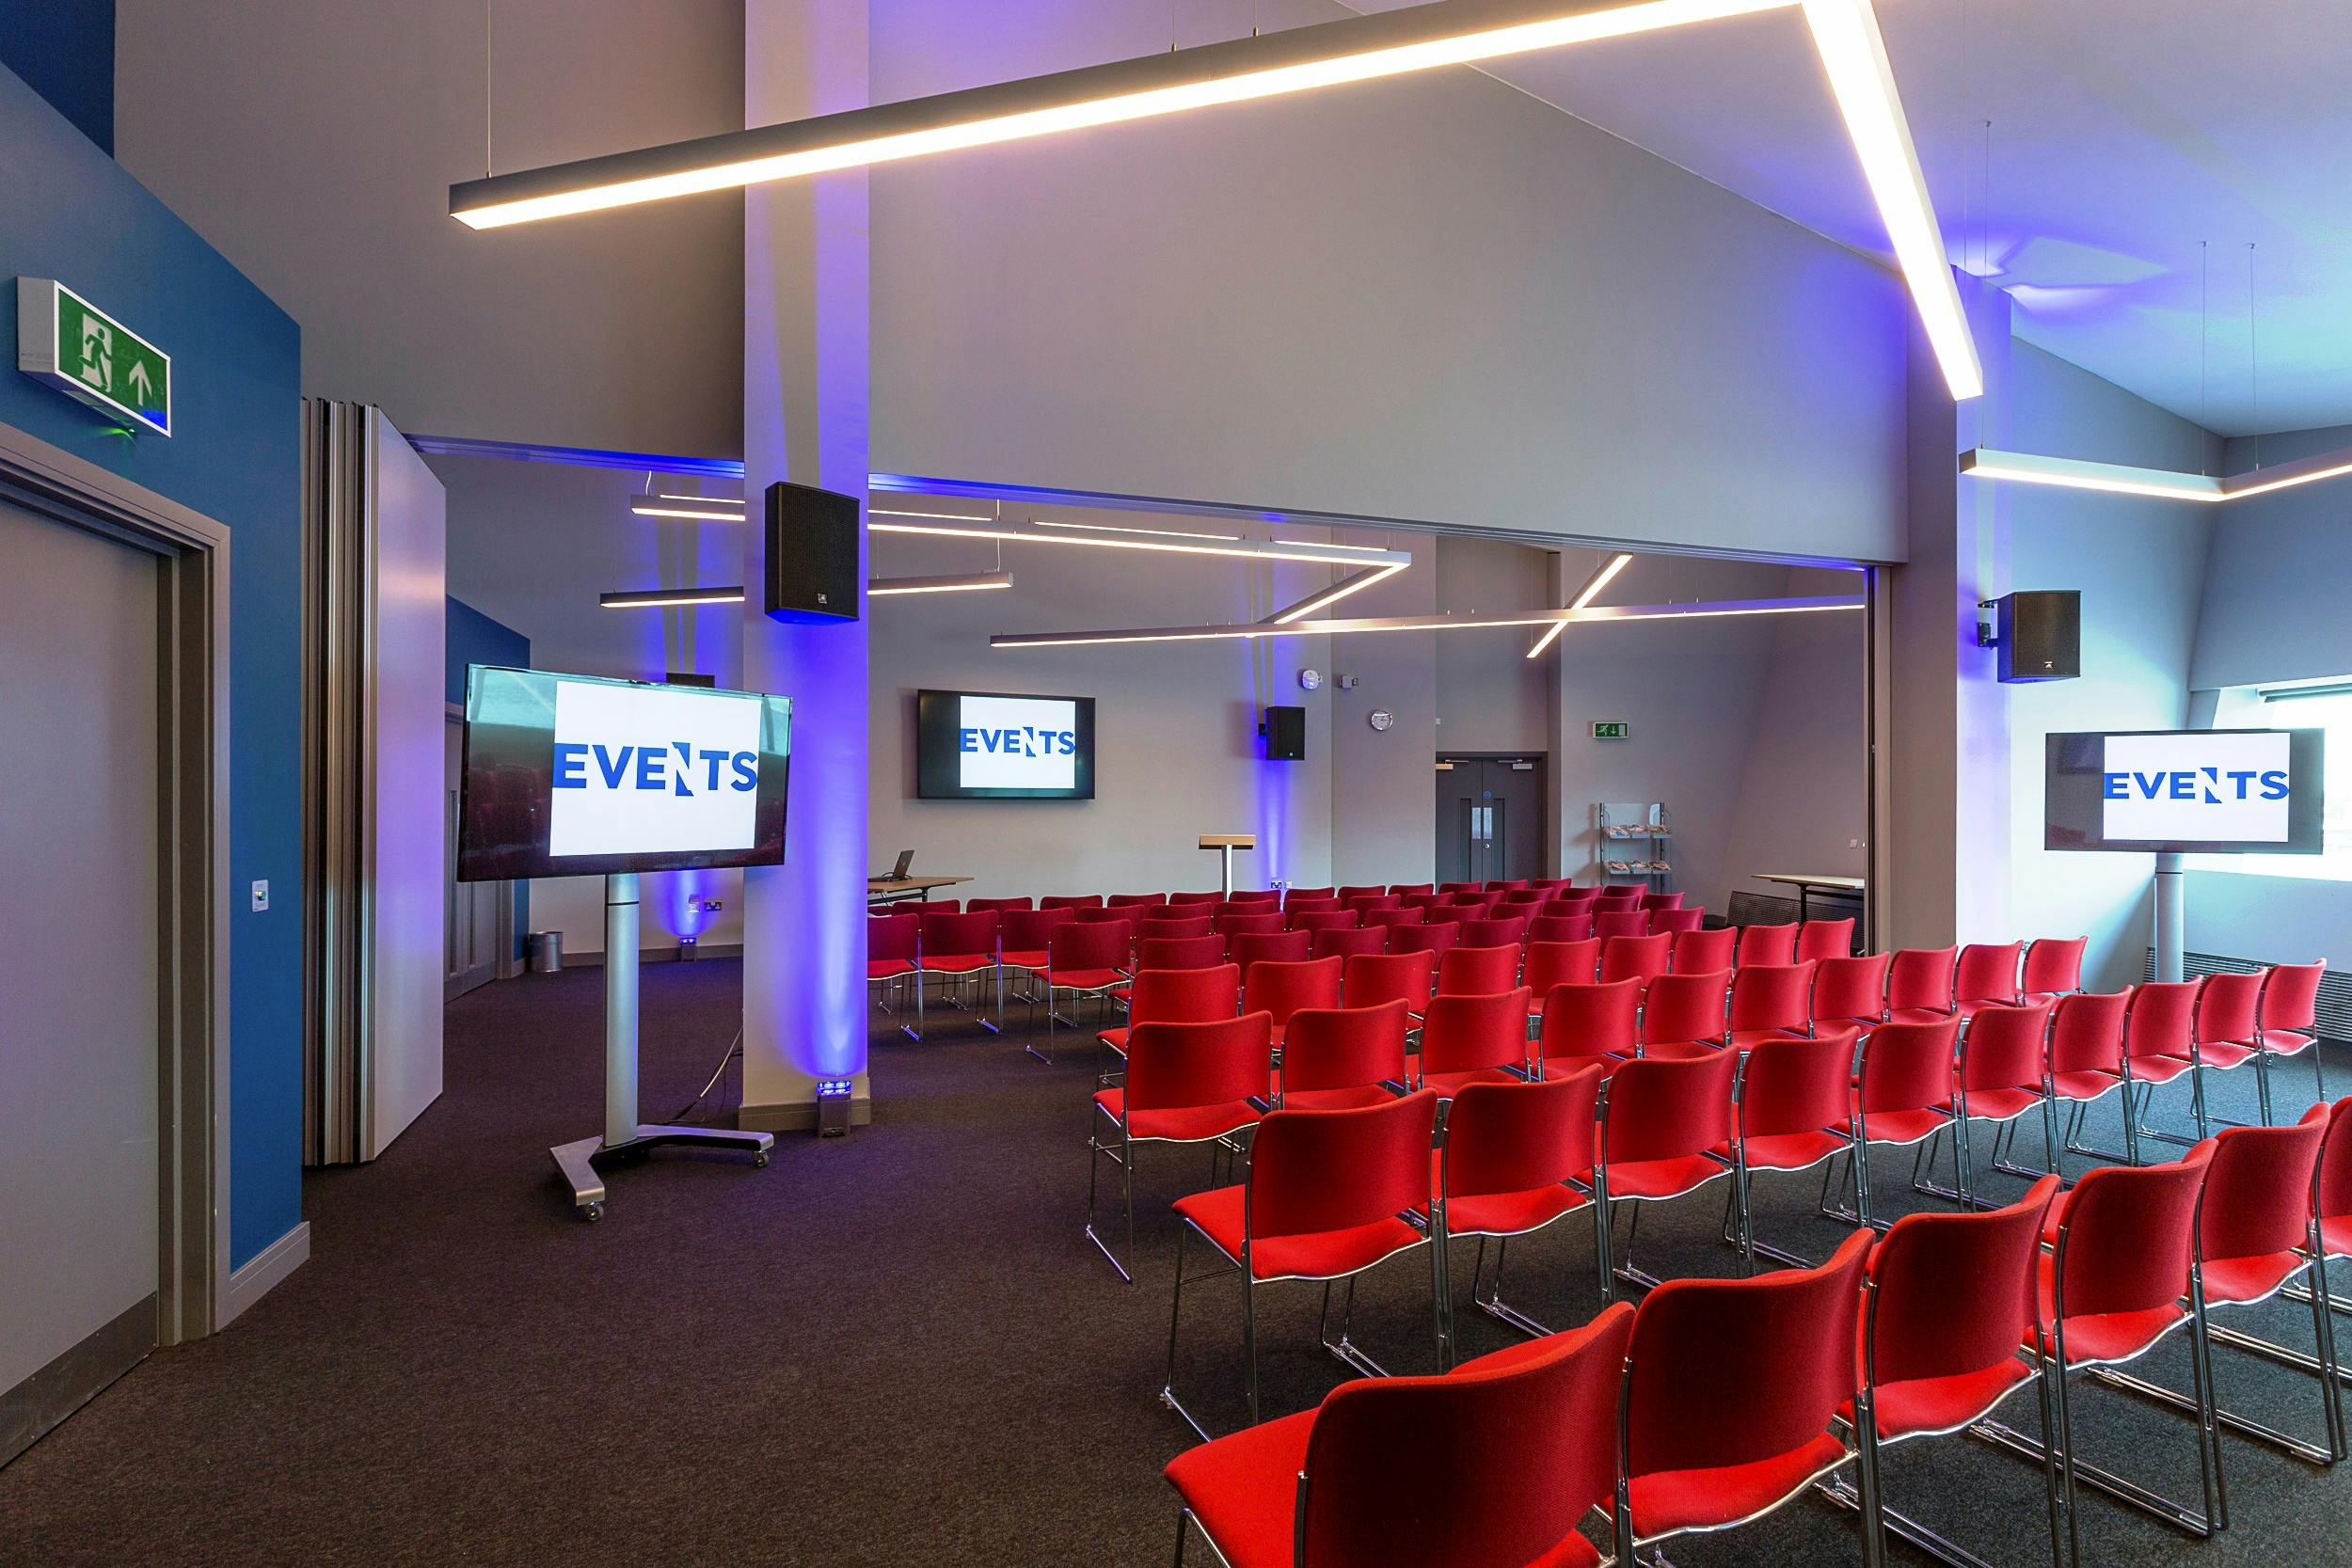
<point x="1592" y="585"/>
<point x="649" y="597"/>
<point x="1248" y="550"/>
<point x="949" y="582"/>
<point x="933" y="517"/>
<point x="1355" y="582"/>
<point x="700" y="509"/>
<point x="1702" y="610"/>
<point x="1115" y="527"/>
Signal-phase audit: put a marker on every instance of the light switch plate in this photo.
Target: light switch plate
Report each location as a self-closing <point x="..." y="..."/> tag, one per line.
<point x="260" y="896"/>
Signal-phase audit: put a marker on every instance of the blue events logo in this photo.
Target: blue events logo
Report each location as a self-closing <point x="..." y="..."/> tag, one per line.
<point x="2211" y="785"/>
<point x="648" y="768"/>
<point x="1025" y="741"/>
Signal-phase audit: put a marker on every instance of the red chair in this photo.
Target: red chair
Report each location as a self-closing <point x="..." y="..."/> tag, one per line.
<point x="1659" y="1128"/>
<point x="2119" y="1277"/>
<point x="1919" y="984"/>
<point x="1517" y="1158"/>
<point x="1849" y="992"/>
<point x="1157" y="926"/>
<point x="1281" y="989"/>
<point x="1261" y="897"/>
<point x="1586" y="896"/>
<point x="1252" y="948"/>
<point x="1560" y="963"/>
<point x="1387" y="919"/>
<point x="893" y="952"/>
<point x="1461" y="887"/>
<point x="2003" y="1057"/>
<point x="1178" y="953"/>
<point x="1619" y="898"/>
<point x="1176" y="996"/>
<point x="2053" y="968"/>
<point x="1704" y="951"/>
<point x="1730" y="1388"/>
<point x="1550" y="884"/>
<point x="1340" y="1058"/>
<point x="1132" y="900"/>
<point x="1903" y="1097"/>
<point x="1371" y="903"/>
<point x="1072" y="901"/>
<point x="1985" y="975"/>
<point x="1771" y="1001"/>
<point x="1946" y="1305"/>
<point x="1609" y="925"/>
<point x="1790" y="1112"/>
<point x="1369" y="890"/>
<point x="1347" y="942"/>
<point x="1195" y="899"/>
<point x="1766" y="945"/>
<point x="2159" y="1046"/>
<point x="1589" y="1026"/>
<point x="1824" y="939"/>
<point x="999" y="905"/>
<point x="1477" y="1039"/>
<point x="1294" y="908"/>
<point x="1420" y="900"/>
<point x="925" y="906"/>
<point x="1187" y="1083"/>
<point x="2084" y="1065"/>
<point x="1128" y="913"/>
<point x="1495" y="931"/>
<point x="1642" y="959"/>
<point x="1478" y="971"/>
<point x="1084" y="959"/>
<point x="1021" y="936"/>
<point x="960" y="947"/>
<point x="1298" y="893"/>
<point x="1520" y="1444"/>
<point x="1231" y="926"/>
<point x="1325" y="920"/>
<point x="1515" y="884"/>
<point x="1525" y="900"/>
<point x="1676" y="921"/>
<point x="1683" y="1014"/>
<point x="1661" y="900"/>
<point x="1376" y="979"/>
<point x="1434" y="937"/>
<point x="2225" y="1032"/>
<point x="1559" y="928"/>
<point x="2289" y="1012"/>
<point x="1324" y="1197"/>
<point x="1411" y="890"/>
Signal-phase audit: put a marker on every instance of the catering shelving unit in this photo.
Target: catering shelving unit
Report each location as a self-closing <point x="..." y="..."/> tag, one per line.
<point x="1635" y="842"/>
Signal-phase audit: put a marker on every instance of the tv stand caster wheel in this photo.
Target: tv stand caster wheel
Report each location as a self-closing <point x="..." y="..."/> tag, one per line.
<point x="759" y="1160"/>
<point x="591" y="1211"/>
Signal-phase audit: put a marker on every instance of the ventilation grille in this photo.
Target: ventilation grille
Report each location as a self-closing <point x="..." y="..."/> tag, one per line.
<point x="2334" y="1010"/>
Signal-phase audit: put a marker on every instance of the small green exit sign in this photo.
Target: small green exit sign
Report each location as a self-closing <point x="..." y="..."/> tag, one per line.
<point x="1612" y="729"/>
<point x="65" y="341"/>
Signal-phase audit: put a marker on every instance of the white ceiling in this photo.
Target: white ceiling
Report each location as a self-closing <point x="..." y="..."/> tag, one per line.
<point x="2123" y="133"/>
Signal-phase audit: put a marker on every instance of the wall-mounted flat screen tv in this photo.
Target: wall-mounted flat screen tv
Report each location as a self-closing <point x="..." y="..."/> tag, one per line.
<point x="572" y="775"/>
<point x="2207" y="792"/>
<point x="999" y="746"/>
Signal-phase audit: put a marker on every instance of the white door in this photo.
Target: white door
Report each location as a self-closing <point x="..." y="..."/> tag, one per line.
<point x="79" y="966"/>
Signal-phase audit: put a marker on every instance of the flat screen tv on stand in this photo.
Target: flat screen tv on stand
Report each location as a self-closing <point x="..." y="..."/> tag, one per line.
<point x="571" y="775"/>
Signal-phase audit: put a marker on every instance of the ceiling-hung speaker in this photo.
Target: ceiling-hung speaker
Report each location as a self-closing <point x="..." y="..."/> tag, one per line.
<point x="1285" y="731"/>
<point x="2040" y="635"/>
<point x="812" y="554"/>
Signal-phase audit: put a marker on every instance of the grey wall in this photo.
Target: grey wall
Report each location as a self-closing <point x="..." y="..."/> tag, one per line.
<point x="2275" y="576"/>
<point x="315" y="145"/>
<point x="1431" y="298"/>
<point x="1491" y="696"/>
<point x="1800" y="807"/>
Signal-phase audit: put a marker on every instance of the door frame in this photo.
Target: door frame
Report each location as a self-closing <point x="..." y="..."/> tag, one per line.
<point x="1542" y="760"/>
<point x="192" y="820"/>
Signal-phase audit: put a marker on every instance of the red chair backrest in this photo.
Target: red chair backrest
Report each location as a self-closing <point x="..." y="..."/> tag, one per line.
<point x="1684" y="1008"/>
<point x="1127" y="900"/>
<point x="1661" y="900"/>
<point x="1025" y="930"/>
<point x="892" y="938"/>
<point x="1385" y="918"/>
<point x="1412" y="890"/>
<point x="1130" y="914"/>
<point x="1517" y="1137"/>
<point x="1366" y="890"/>
<point x="1250" y="948"/>
<point x="1470" y="1034"/>
<point x="1954" y="1293"/>
<point x="1772" y="996"/>
<point x="927" y="906"/>
<point x="1574" y="895"/>
<point x="1297" y="909"/>
<point x="1163" y="925"/>
<point x="1824" y="939"/>
<point x="1255" y="895"/>
<point x="1331" y="893"/>
<point x="1072" y="901"/>
<point x="1324" y="919"/>
<point x="1184" y="995"/>
<point x="1907" y="1067"/>
<point x="1520" y="1444"/>
<point x="2290" y="998"/>
<point x="1636" y="957"/>
<point x="1153" y="953"/>
<point x="1559" y="927"/>
<point x="1081" y="945"/>
<point x="1766" y="945"/>
<point x="2161" y="1019"/>
<point x="1231" y="926"/>
<point x="1333" y="1170"/>
<point x="1696" y="951"/>
<point x="1188" y="900"/>
<point x="1433" y="937"/>
<point x="2087" y="1032"/>
<point x="1347" y="942"/>
<point x="2227" y="1005"/>
<point x="1660" y="1109"/>
<point x="2331" y="1192"/>
<point x="1921" y="977"/>
<point x="1792" y="1085"/>
<point x="960" y="936"/>
<point x="1987" y="971"/>
<point x="1172" y="1067"/>
<point x="1000" y="905"/>
<point x="1343" y="1048"/>
<point x="2257" y="1201"/>
<point x="1478" y="972"/>
<point x="1282" y="988"/>
<point x="1555" y="963"/>
<point x="1677" y="920"/>
<point x="2054" y="964"/>
<point x="1734" y="1372"/>
<point x="2005" y="1047"/>
<point x="1495" y="931"/>
<point x="1506" y="884"/>
<point x="1461" y="887"/>
<point x="1619" y="898"/>
<point x="2128" y="1236"/>
<point x="1848" y="988"/>
<point x="1525" y="898"/>
<point x="1370" y="903"/>
<point x="1582" y="1019"/>
<point x="1376" y="979"/>
<point x="1610" y="924"/>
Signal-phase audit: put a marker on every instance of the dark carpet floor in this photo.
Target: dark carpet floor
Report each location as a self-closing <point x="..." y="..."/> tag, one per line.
<point x="895" y="1347"/>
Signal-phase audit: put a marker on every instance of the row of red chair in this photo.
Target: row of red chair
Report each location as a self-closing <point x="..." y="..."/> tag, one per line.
<point x="1719" y="1402"/>
<point x="1520" y="891"/>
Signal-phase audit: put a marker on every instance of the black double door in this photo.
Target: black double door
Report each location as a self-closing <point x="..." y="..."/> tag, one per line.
<point x="1490" y="817"/>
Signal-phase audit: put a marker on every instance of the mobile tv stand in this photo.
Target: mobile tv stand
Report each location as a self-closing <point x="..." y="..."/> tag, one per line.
<point x="625" y="1136"/>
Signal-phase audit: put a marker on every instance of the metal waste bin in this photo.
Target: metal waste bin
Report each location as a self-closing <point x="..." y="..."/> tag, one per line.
<point x="545" y="951"/>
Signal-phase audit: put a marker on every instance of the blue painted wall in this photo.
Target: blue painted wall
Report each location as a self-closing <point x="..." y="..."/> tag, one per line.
<point x="65" y="50"/>
<point x="69" y="211"/>
<point x="476" y="639"/>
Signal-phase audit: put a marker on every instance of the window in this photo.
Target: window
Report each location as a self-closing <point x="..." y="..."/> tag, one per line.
<point x="2327" y="707"/>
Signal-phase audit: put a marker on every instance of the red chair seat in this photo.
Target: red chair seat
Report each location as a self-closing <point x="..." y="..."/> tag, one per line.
<point x="2107" y="1336"/>
<point x="1321" y="1255"/>
<point x="1748" y="1039"/>
<point x="1904" y="1127"/>
<point x="1188" y="1124"/>
<point x="2089" y="1084"/>
<point x="2001" y="1104"/>
<point x="1662" y="1178"/>
<point x="1115" y="1038"/>
<point x="1335" y="1100"/>
<point x="2224" y="1055"/>
<point x="1557" y="1067"/>
<point x="1670" y="1501"/>
<point x="2285" y="1042"/>
<point x="1789" y="1150"/>
<point x="1918" y="1015"/>
<point x="1089" y="979"/>
<point x="1678" y="1051"/>
<point x="2236" y="1281"/>
<point x="958" y="963"/>
<point x="1974" y="1006"/>
<point x="1447" y="1085"/>
<point x="887" y="968"/>
<point x="1923" y="1406"/>
<point x="1026" y="959"/>
<point x="1509" y="1213"/>
<point x="2158" y="1069"/>
<point x="2045" y="998"/>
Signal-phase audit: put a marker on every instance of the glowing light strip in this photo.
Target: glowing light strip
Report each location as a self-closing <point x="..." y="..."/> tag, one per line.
<point x="1248" y="550"/>
<point x="1355" y="582"/>
<point x="650" y="597"/>
<point x="702" y="508"/>
<point x="1423" y="623"/>
<point x="1846" y="34"/>
<point x="1113" y="527"/>
<point x="2260" y="482"/>
<point x="940" y="516"/>
<point x="952" y="583"/>
<point x="1592" y="585"/>
<point x="1352" y="49"/>
<point x="2074" y="473"/>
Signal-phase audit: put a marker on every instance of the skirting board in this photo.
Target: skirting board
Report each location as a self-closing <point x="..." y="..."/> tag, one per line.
<point x="41" y="1403"/>
<point x="656" y="956"/>
<point x="800" y="1117"/>
<point x="262" y="1273"/>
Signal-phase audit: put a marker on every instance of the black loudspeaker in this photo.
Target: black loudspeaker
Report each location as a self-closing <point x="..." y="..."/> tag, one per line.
<point x="2040" y="635"/>
<point x="1285" y="731"/>
<point x="812" y="554"/>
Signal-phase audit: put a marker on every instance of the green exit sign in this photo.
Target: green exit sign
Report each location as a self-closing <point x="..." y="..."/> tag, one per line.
<point x="65" y="341"/>
<point x="1612" y="729"/>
